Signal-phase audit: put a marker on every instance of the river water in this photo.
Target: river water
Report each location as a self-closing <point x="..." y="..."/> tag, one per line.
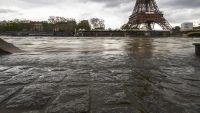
<point x="116" y="74"/>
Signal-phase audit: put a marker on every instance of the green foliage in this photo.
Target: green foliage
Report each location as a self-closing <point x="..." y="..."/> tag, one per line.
<point x="97" y="24"/>
<point x="15" y="26"/>
<point x="71" y="25"/>
<point x="57" y="25"/>
<point x="68" y="26"/>
<point x="84" y="25"/>
<point x="61" y="24"/>
<point x="176" y="29"/>
<point x="125" y="27"/>
<point x="48" y="27"/>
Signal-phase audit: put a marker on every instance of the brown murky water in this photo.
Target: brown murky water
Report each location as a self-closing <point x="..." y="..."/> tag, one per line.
<point x="100" y="75"/>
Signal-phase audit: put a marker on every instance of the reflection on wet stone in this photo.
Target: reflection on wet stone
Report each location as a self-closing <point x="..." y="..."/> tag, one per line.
<point x="100" y="75"/>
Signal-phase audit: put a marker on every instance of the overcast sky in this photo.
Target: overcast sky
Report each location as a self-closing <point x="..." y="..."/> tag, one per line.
<point x="114" y="12"/>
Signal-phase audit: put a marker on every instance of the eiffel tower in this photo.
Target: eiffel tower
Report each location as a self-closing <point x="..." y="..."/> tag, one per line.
<point x="147" y="13"/>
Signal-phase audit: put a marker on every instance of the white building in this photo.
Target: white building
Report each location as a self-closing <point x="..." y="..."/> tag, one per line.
<point x="187" y="26"/>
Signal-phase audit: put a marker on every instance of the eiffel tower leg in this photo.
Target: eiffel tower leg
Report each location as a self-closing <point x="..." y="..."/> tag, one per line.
<point x="132" y="26"/>
<point x="147" y="12"/>
<point x="153" y="25"/>
<point x="148" y="26"/>
<point x="138" y="26"/>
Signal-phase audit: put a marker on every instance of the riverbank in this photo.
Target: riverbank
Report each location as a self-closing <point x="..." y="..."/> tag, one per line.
<point x="100" y="75"/>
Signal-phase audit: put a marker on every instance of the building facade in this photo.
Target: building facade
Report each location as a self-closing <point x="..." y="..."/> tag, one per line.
<point x="37" y="26"/>
<point x="187" y="26"/>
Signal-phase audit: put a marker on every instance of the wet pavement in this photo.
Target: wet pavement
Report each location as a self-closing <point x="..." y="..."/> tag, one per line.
<point x="100" y="75"/>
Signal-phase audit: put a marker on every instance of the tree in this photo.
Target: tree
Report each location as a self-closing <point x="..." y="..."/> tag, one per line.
<point x="62" y="24"/>
<point x="48" y="27"/>
<point x="68" y="26"/>
<point x="57" y="19"/>
<point x="97" y="23"/>
<point x="3" y="25"/>
<point x="84" y="25"/>
<point x="15" y="25"/>
<point x="125" y="27"/>
<point x="71" y="25"/>
<point x="176" y="29"/>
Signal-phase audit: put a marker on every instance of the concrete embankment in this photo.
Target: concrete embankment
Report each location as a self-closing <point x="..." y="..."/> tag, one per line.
<point x="123" y="33"/>
<point x="8" y="48"/>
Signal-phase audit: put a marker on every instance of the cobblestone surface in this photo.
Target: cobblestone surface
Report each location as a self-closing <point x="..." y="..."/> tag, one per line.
<point x="107" y="75"/>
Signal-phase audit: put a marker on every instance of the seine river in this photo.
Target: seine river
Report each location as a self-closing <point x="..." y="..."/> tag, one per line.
<point x="100" y="75"/>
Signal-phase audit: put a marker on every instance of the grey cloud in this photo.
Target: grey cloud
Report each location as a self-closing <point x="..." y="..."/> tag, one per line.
<point x="180" y="3"/>
<point x="7" y="11"/>
<point x="110" y="3"/>
<point x="43" y="2"/>
<point x="182" y="15"/>
<point x="162" y="3"/>
<point x="116" y="3"/>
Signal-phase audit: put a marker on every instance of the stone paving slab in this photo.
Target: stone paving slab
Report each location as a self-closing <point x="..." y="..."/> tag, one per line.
<point x="110" y="97"/>
<point x="52" y="77"/>
<point x="7" y="92"/>
<point x="3" y="68"/>
<point x="71" y="100"/>
<point x="32" y="112"/>
<point x="23" y="78"/>
<point x="32" y="97"/>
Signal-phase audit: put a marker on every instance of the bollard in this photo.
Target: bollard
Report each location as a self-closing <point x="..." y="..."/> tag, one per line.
<point x="197" y="48"/>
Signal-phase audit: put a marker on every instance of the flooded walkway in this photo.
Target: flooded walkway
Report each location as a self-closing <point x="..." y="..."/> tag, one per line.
<point x="100" y="75"/>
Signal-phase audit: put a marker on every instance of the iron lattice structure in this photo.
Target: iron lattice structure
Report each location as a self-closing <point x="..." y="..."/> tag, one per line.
<point x="147" y="12"/>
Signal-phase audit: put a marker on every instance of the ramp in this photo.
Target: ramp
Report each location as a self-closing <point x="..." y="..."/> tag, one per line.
<point x="8" y="48"/>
